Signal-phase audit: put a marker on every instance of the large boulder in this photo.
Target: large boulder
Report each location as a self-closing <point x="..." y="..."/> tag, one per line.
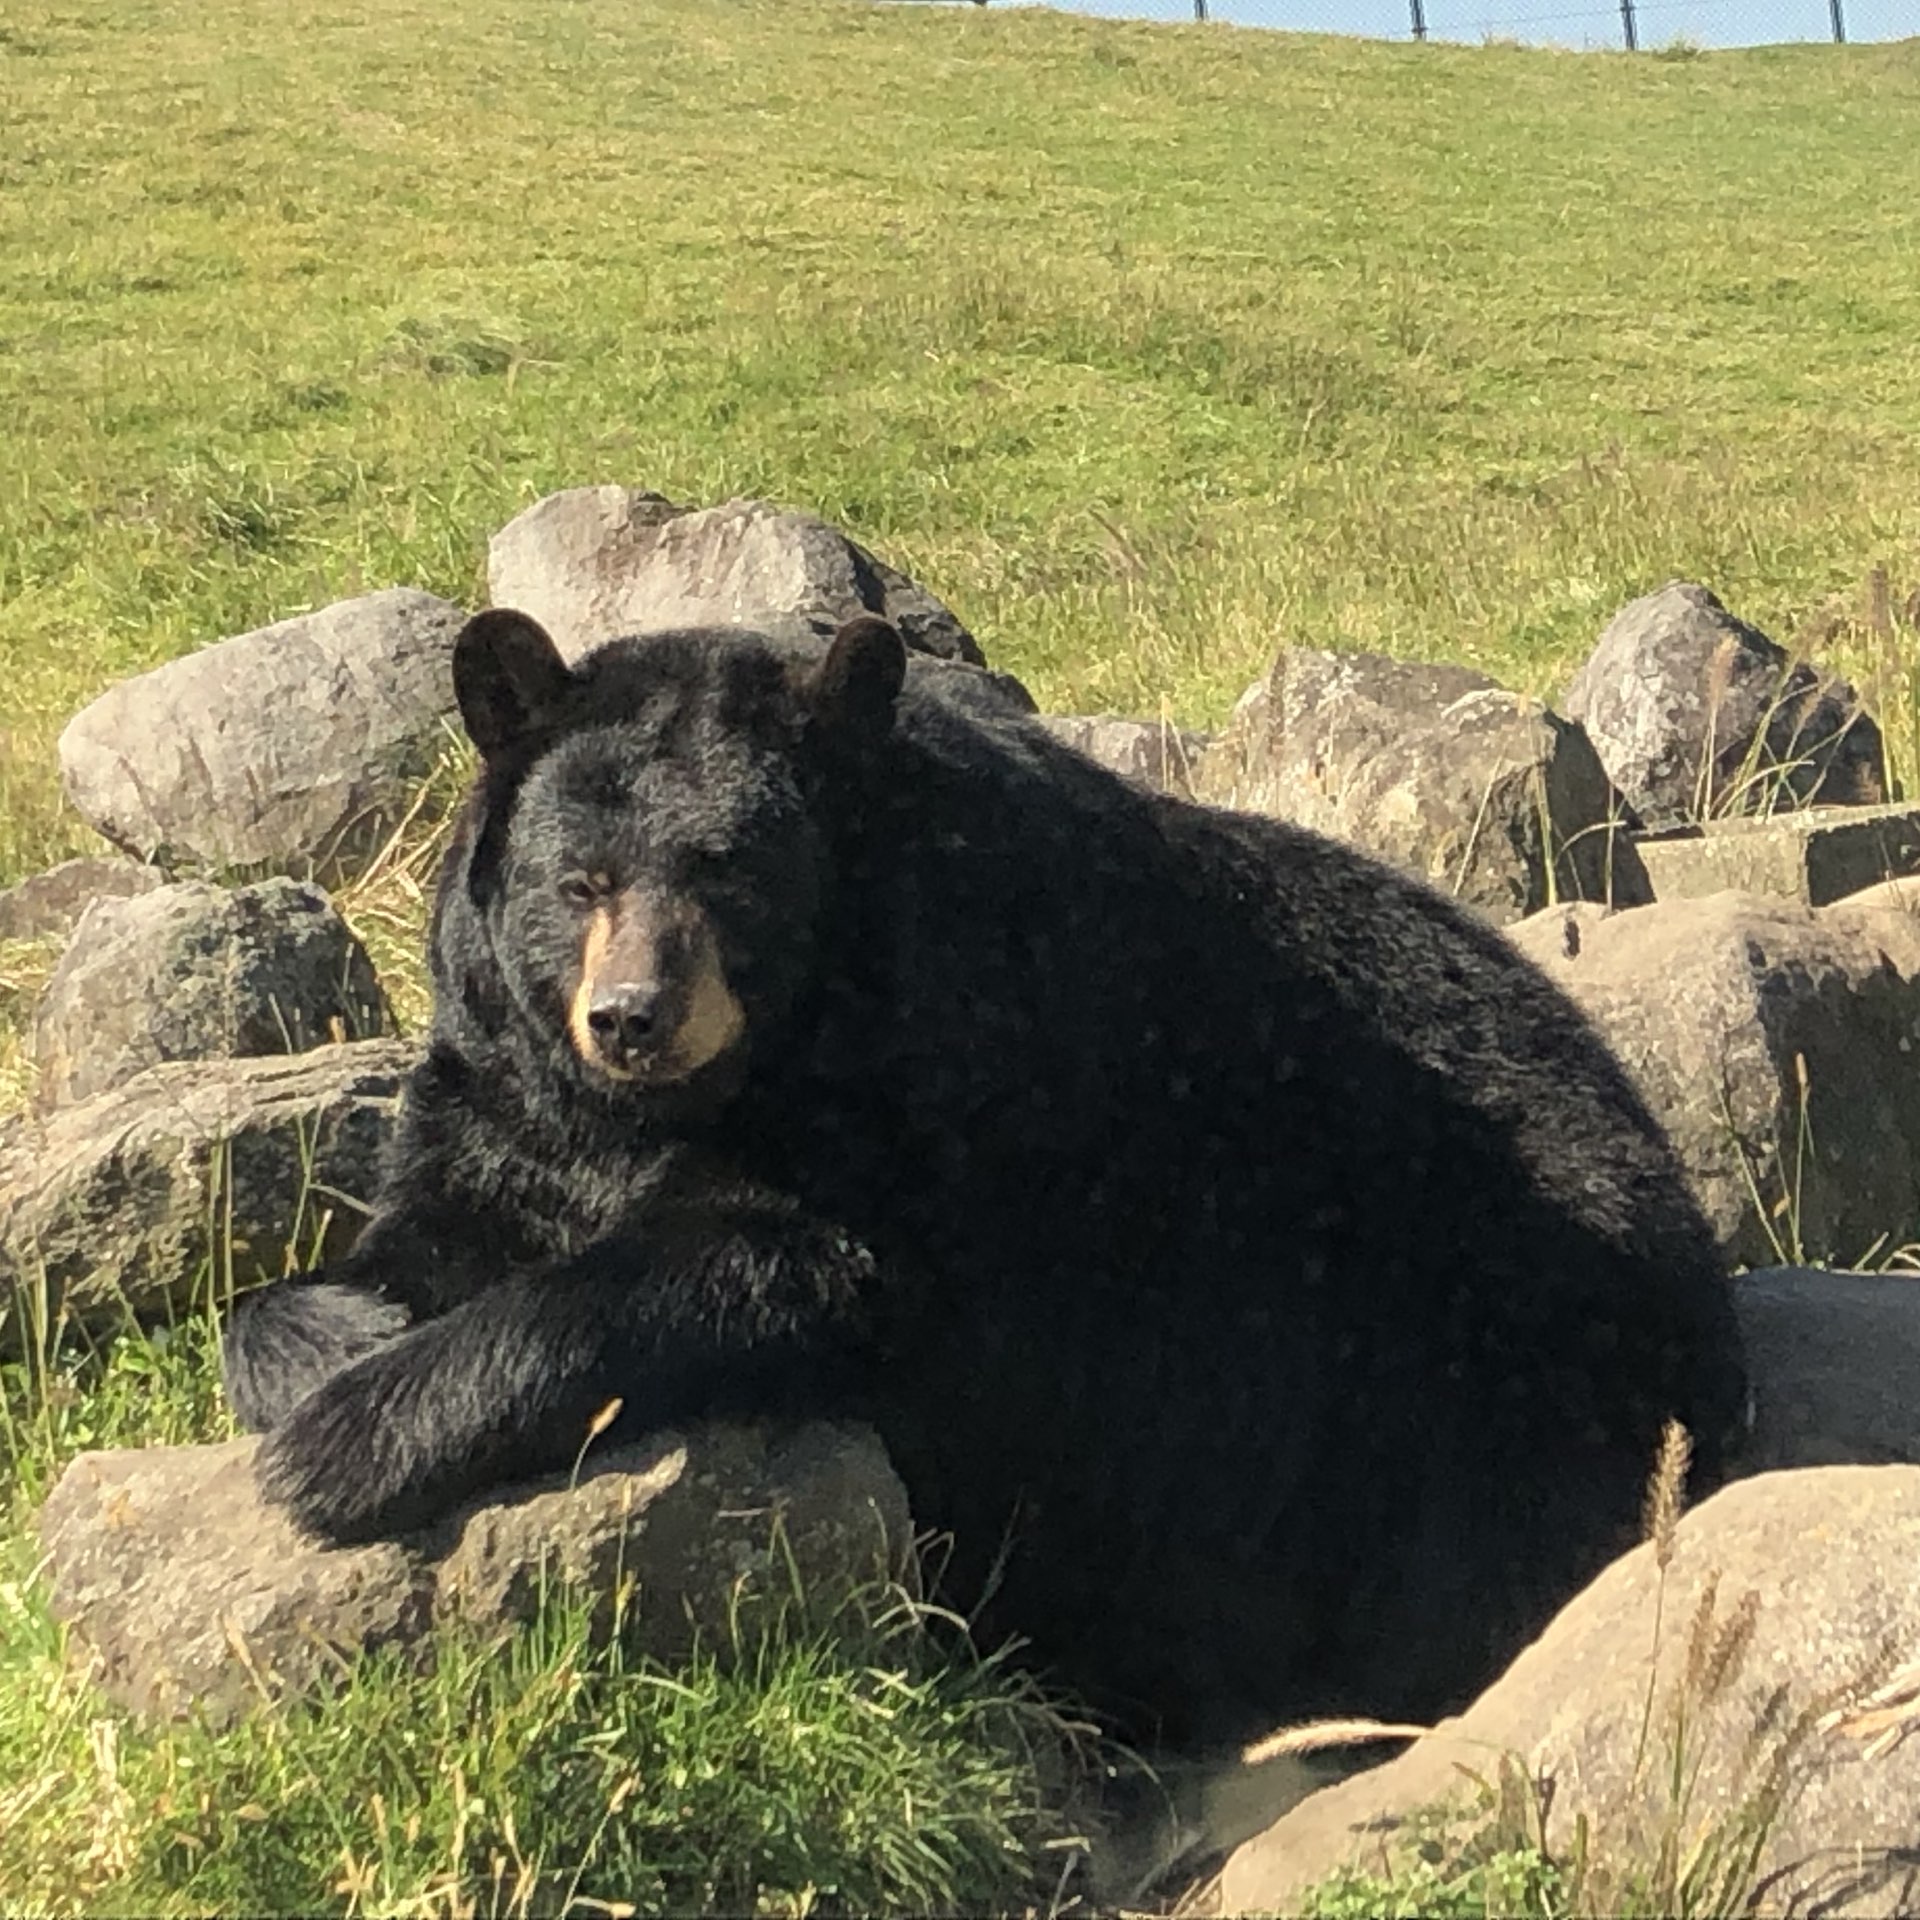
<point x="198" y="972"/>
<point x="125" y="1204"/>
<point x="1783" y="1600"/>
<point x="1482" y="792"/>
<point x="190" y="1593"/>
<point x="1778" y="1044"/>
<point x="594" y="562"/>
<point x="292" y="749"/>
<point x="1695" y="713"/>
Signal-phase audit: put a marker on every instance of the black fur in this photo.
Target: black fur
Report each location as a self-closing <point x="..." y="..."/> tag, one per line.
<point x="1237" y="1238"/>
<point x="283" y="1343"/>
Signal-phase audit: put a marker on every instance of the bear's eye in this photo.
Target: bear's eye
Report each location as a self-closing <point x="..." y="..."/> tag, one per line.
<point x="585" y="889"/>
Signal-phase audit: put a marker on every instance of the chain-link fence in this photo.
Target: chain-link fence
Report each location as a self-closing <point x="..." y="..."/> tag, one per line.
<point x="1633" y="24"/>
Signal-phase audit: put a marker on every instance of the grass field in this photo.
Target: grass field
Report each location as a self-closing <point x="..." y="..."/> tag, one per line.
<point x="1147" y="347"/>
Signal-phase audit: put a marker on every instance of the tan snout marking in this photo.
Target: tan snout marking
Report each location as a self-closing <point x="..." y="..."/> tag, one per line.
<point x="637" y="937"/>
<point x="714" y="1019"/>
<point x="593" y="954"/>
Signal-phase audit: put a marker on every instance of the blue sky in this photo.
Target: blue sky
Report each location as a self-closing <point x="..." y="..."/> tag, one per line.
<point x="1574" y="23"/>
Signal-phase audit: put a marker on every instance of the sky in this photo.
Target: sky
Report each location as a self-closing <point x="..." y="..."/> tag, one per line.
<point x="1573" y="23"/>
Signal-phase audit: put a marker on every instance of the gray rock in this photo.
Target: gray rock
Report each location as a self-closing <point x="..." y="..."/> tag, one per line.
<point x="176" y="1578"/>
<point x="49" y="905"/>
<point x="1834" y="1361"/>
<point x="1694" y="712"/>
<point x="1148" y="751"/>
<point x="1720" y="1009"/>
<point x="1827" y="1556"/>
<point x="187" y="1591"/>
<point x="292" y="749"/>
<point x="1901" y="895"/>
<point x="1481" y="792"/>
<point x="1815" y="854"/>
<point x="597" y="562"/>
<point x="199" y="972"/>
<point x="134" y="1202"/>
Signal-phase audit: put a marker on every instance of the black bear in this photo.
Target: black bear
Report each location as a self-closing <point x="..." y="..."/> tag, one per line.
<point x="1262" y="1272"/>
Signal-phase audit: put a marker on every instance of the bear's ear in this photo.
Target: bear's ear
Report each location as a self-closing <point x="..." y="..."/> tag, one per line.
<point x="853" y="689"/>
<point x="507" y="676"/>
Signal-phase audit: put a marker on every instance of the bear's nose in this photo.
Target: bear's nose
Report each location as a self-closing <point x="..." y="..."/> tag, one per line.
<point x="622" y="1018"/>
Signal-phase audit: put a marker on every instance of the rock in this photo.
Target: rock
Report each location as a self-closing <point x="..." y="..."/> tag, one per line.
<point x="1902" y="895"/>
<point x="1151" y="752"/>
<point x="1834" y="1361"/>
<point x="125" y="1204"/>
<point x="176" y="1578"/>
<point x="296" y="748"/>
<point x="199" y="972"/>
<point x="48" y="905"/>
<point x="595" y="562"/>
<point x="189" y="1592"/>
<point x="1778" y="1044"/>
<point x="705" y="1505"/>
<point x="1818" y="854"/>
<point x="1804" y="1586"/>
<point x="1694" y="713"/>
<point x="1435" y="769"/>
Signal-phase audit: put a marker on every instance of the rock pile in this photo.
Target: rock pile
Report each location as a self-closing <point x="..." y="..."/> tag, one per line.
<point x="1699" y="845"/>
<point x="1767" y="1010"/>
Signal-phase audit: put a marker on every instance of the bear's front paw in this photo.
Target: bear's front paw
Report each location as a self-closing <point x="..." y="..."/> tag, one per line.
<point x="356" y="1460"/>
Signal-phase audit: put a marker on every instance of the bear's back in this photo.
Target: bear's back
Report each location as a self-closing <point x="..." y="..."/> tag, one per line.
<point x="1289" y="932"/>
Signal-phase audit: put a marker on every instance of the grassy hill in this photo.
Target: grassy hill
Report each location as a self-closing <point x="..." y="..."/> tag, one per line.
<point x="1147" y="346"/>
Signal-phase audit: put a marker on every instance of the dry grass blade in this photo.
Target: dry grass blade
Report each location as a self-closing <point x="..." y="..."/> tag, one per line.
<point x="1666" y="1490"/>
<point x="1884" y="1718"/>
<point x="1319" y="1736"/>
<point x="387" y="905"/>
<point x="25" y="968"/>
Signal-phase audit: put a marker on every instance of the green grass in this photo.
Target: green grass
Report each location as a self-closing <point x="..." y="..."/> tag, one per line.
<point x="547" y="1774"/>
<point x="1147" y="346"/>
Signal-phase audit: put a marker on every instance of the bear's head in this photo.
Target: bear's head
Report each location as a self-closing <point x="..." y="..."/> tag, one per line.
<point x="647" y="850"/>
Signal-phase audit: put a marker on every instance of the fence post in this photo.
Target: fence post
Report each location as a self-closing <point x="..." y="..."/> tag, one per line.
<point x="1420" y="18"/>
<point x="1839" y="23"/>
<point x="1627" y="26"/>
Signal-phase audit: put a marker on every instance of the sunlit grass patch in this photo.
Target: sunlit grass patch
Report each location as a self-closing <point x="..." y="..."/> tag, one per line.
<point x="1148" y="348"/>
<point x="857" y="1767"/>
